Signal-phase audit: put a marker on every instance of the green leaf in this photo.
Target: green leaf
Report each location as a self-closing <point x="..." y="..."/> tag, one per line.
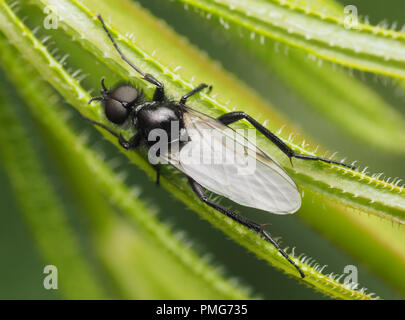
<point x="380" y="246"/>
<point x="339" y="97"/>
<point x="132" y="258"/>
<point x="353" y="188"/>
<point x="344" y="100"/>
<point x="77" y="21"/>
<point x="373" y="242"/>
<point x="42" y="209"/>
<point x="361" y="47"/>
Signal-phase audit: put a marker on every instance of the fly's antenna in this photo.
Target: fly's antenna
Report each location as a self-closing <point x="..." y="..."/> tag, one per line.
<point x="100" y="125"/>
<point x="159" y="93"/>
<point x="103" y="92"/>
<point x="103" y="84"/>
<point x="118" y="49"/>
<point x="95" y="99"/>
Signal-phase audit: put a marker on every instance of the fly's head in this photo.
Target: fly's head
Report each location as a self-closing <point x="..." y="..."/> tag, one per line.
<point x="119" y="102"/>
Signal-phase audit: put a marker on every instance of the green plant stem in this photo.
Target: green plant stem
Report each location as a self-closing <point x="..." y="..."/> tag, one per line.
<point x="133" y="259"/>
<point x="360" y="46"/>
<point x="354" y="188"/>
<point x="325" y="86"/>
<point x="43" y="211"/>
<point x="175" y="185"/>
<point x="375" y="243"/>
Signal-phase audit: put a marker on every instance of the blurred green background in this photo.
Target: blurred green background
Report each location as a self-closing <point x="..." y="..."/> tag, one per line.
<point x="21" y="267"/>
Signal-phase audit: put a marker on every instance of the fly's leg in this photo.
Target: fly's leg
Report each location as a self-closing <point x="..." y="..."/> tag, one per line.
<point x="159" y="94"/>
<point x="126" y="144"/>
<point x="200" y="193"/>
<point x="194" y="91"/>
<point x="231" y="117"/>
<point x="131" y="143"/>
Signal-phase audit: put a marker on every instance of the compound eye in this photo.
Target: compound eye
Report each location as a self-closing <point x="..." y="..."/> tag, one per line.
<point x="115" y="111"/>
<point x="125" y="93"/>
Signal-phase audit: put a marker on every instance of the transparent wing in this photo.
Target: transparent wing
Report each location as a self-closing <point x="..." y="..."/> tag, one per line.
<point x="225" y="162"/>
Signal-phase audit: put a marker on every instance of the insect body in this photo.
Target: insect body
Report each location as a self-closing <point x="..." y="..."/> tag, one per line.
<point x="268" y="187"/>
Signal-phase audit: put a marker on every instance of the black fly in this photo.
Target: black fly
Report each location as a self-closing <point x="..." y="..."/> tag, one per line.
<point x="267" y="187"/>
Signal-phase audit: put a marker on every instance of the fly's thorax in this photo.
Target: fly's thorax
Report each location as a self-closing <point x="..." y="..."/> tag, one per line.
<point x="160" y="121"/>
